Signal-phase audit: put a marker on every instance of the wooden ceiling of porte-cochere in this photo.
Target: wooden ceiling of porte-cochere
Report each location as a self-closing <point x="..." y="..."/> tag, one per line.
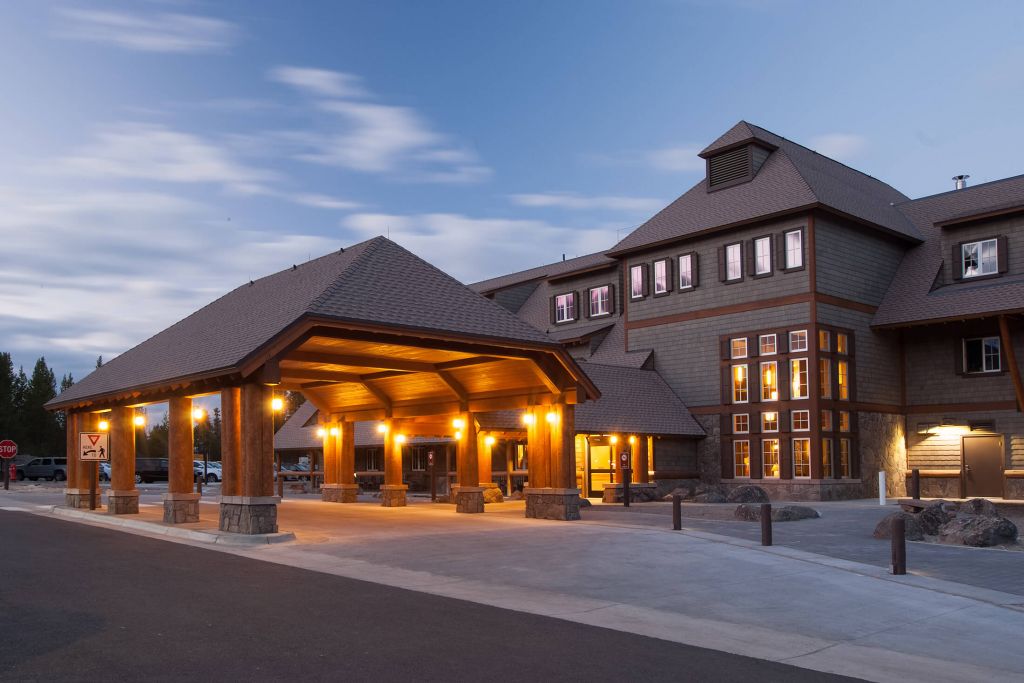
<point x="342" y="375"/>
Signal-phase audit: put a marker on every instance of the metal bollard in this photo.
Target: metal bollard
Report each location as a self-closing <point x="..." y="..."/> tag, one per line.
<point x="199" y="486"/>
<point x="766" y="523"/>
<point x="915" y="484"/>
<point x="677" y="512"/>
<point x="899" y="546"/>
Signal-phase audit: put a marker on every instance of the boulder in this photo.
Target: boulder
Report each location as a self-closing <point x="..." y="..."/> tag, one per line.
<point x="748" y="494"/>
<point x="913" y="526"/>
<point x="585" y="502"/>
<point x="685" y="491"/>
<point x="935" y="515"/>
<point x="709" y="497"/>
<point x="978" y="530"/>
<point x="979" y="506"/>
<point x="492" y="494"/>
<point x="751" y="512"/>
<point x="516" y="495"/>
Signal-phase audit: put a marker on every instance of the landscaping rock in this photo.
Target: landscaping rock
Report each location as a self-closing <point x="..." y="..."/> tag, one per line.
<point x="751" y="512"/>
<point x="979" y="506"/>
<point x="686" y="492"/>
<point x="748" y="494"/>
<point x="492" y="494"/>
<point x="585" y="502"/>
<point x="978" y="530"/>
<point x="709" y="497"/>
<point x="913" y="526"/>
<point x="516" y="495"/>
<point x="748" y="512"/>
<point x="935" y="515"/>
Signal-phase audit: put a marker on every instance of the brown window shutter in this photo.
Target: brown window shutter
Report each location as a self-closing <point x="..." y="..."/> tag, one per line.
<point x="645" y="270"/>
<point x="611" y="298"/>
<point x="958" y="355"/>
<point x="785" y="459"/>
<point x="726" y="385"/>
<point x="754" y="383"/>
<point x="782" y="342"/>
<point x="756" y="470"/>
<point x="726" y="348"/>
<point x="586" y="304"/>
<point x="721" y="264"/>
<point x="771" y="251"/>
<point x="782" y="368"/>
<point x="670" y="280"/>
<point x="575" y="305"/>
<point x="958" y="262"/>
<point x="753" y="350"/>
<point x="695" y="268"/>
<point x="553" y="310"/>
<point x="727" y="471"/>
<point x="850" y="346"/>
<point x="784" y="424"/>
<point x="1003" y="253"/>
<point x="751" y="261"/>
<point x="780" y="253"/>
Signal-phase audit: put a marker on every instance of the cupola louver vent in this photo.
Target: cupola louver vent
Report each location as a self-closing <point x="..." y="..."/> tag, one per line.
<point x="729" y="166"/>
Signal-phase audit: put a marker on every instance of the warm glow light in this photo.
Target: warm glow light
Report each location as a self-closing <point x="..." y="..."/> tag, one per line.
<point x="334" y="431"/>
<point x="489" y="441"/>
<point x="104" y="425"/>
<point x="140" y="420"/>
<point x="552" y="417"/>
<point x="458" y="423"/>
<point x="400" y="438"/>
<point x="198" y="414"/>
<point x="768" y="375"/>
<point x="770" y="417"/>
<point x="276" y="404"/>
<point x="632" y="439"/>
<point x="740" y="371"/>
<point x="382" y="428"/>
<point x="614" y="440"/>
<point x="458" y="435"/>
<point x="528" y="418"/>
<point x="321" y="433"/>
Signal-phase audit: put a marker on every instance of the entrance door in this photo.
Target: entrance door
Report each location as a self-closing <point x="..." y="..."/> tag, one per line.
<point x="983" y="466"/>
<point x="600" y="470"/>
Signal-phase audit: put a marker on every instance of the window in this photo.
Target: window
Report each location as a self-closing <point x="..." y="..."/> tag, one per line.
<point x="739" y="384"/>
<point x="802" y="458"/>
<point x="738" y="347"/>
<point x="825" y="377"/>
<point x="763" y="255"/>
<point x="769" y="381"/>
<point x="661" y="276"/>
<point x="826" y="420"/>
<point x="770" y="458"/>
<point x="844" y="421"/>
<point x="733" y="262"/>
<point x="600" y="301"/>
<point x="842" y="343"/>
<point x="686" y="268"/>
<point x="767" y="344"/>
<point x="826" y="458"/>
<point x="565" y="307"/>
<point x="769" y="422"/>
<point x="420" y="458"/>
<point x="982" y="355"/>
<point x="801" y="420"/>
<point x="374" y="460"/>
<point x="636" y="282"/>
<point x="798" y="378"/>
<point x="798" y="340"/>
<point x="843" y="377"/>
<point x="794" y="249"/>
<point x="741" y="458"/>
<point x="824" y="340"/>
<point x="740" y="423"/>
<point x="844" y="457"/>
<point x="979" y="258"/>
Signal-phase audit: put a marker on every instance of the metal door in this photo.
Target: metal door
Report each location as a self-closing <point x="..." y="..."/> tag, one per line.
<point x="983" y="466"/>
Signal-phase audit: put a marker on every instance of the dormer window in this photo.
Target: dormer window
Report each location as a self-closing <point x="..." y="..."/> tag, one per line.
<point x="565" y="307"/>
<point x="980" y="258"/>
<point x="734" y="166"/>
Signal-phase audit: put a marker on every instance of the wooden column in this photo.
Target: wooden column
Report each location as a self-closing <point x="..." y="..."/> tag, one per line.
<point x="510" y="458"/>
<point x="562" y="460"/>
<point x="331" y="440"/>
<point x="539" y="445"/>
<point x="1006" y="342"/>
<point x="485" y="464"/>
<point x="392" y="453"/>
<point x="180" y="450"/>
<point x="257" y="441"/>
<point x="122" y="449"/>
<point x="347" y="453"/>
<point x="467" y="462"/>
<point x="73" y="421"/>
<point x="643" y="460"/>
<point x="231" y="441"/>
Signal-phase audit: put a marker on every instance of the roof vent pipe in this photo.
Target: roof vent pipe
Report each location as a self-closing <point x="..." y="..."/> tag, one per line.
<point x="563" y="257"/>
<point x="961" y="181"/>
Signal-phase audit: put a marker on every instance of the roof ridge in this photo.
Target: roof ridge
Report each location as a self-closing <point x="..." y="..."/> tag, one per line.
<point x="600" y="252"/>
<point x="367" y="247"/>
<point x="969" y="188"/>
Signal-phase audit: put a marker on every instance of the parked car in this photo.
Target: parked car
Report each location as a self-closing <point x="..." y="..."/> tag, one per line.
<point x="214" y="473"/>
<point x="104" y="471"/>
<point x="43" y="468"/>
<point x="148" y="470"/>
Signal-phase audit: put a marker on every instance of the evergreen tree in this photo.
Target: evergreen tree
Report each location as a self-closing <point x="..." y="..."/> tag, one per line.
<point x="99" y="362"/>
<point x="18" y="431"/>
<point x="66" y="382"/>
<point x="43" y="435"/>
<point x="156" y="445"/>
<point x="7" y="406"/>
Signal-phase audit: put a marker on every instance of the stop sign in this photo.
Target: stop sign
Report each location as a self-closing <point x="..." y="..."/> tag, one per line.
<point x="8" y="449"/>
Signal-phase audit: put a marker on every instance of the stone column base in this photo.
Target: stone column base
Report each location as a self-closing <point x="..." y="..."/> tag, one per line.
<point x="469" y="499"/>
<point x="249" y="514"/>
<point x="638" y="493"/>
<point x="79" y="499"/>
<point x="393" y="495"/>
<point x="181" y="508"/>
<point x="551" y="503"/>
<point x="339" y="493"/>
<point x="123" y="502"/>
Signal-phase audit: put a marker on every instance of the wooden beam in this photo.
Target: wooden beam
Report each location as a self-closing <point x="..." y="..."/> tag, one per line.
<point x="453" y="384"/>
<point x="466" y="362"/>
<point x="320" y="375"/>
<point x="384" y="399"/>
<point x="359" y="361"/>
<point x="1011" y="358"/>
<point x="546" y="376"/>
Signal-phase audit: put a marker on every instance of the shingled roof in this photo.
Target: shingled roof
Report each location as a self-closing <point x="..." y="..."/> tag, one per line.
<point x="912" y="297"/>
<point x="547" y="271"/>
<point x="792" y="178"/>
<point x="376" y="281"/>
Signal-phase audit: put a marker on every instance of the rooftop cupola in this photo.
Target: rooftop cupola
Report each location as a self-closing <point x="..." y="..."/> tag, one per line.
<point x="735" y="157"/>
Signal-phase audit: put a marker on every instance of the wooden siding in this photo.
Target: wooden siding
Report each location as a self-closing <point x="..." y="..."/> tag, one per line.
<point x="1012" y="228"/>
<point x="878" y="355"/>
<point x="854" y="262"/>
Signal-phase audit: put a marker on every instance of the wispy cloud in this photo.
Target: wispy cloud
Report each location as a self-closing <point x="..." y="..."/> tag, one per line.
<point x="150" y="32"/>
<point x="680" y="158"/>
<point x="321" y="201"/>
<point x="840" y="146"/>
<point x="575" y="202"/>
<point x="371" y="137"/>
<point x="474" y="248"/>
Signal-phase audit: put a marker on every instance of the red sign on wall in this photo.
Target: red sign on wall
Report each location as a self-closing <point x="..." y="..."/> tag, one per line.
<point x="8" y="449"/>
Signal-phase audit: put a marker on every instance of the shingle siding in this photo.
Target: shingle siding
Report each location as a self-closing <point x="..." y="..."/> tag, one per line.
<point x="1012" y="228"/>
<point x="942" y="451"/>
<point x="876" y="354"/>
<point x="853" y="262"/>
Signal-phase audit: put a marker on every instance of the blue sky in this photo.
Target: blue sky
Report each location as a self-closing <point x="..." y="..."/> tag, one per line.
<point x="157" y="154"/>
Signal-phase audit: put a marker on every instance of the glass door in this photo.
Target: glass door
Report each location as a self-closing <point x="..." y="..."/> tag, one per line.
<point x="599" y="469"/>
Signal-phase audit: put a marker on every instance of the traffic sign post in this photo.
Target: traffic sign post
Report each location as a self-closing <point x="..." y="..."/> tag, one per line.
<point x="433" y="478"/>
<point x="8" y="450"/>
<point x="626" y="471"/>
<point x="93" y="447"/>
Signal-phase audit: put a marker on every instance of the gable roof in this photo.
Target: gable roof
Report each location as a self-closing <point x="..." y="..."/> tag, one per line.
<point x="375" y="282"/>
<point x="792" y="178"/>
<point x="547" y="271"/>
<point x="912" y="297"/>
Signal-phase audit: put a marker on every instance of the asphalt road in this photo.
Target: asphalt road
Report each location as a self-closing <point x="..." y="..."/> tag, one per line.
<point x="84" y="603"/>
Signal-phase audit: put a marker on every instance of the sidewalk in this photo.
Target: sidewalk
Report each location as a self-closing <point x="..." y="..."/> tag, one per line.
<point x="729" y="594"/>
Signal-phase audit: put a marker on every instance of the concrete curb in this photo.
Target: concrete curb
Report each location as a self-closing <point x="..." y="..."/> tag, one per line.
<point x="155" y="529"/>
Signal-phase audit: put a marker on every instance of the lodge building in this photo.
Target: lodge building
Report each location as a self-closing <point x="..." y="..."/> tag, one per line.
<point x="788" y="321"/>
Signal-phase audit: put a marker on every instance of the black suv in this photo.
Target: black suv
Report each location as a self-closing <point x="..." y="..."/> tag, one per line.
<point x="43" y="468"/>
<point x="148" y="470"/>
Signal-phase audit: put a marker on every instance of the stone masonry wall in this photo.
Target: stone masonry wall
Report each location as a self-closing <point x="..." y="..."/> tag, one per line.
<point x="882" y="448"/>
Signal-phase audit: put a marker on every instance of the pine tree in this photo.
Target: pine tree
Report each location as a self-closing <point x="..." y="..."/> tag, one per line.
<point x="7" y="406"/>
<point x="66" y="382"/>
<point x="18" y="431"/>
<point x="43" y="434"/>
